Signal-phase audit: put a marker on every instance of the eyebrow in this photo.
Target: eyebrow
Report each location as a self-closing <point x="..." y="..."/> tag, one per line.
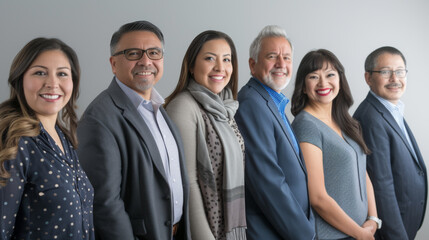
<point x="276" y="53"/>
<point x="228" y="54"/>
<point x="40" y="66"/>
<point x="388" y="67"/>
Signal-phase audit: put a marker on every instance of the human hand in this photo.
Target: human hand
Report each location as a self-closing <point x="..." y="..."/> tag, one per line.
<point x="365" y="233"/>
<point x="370" y="223"/>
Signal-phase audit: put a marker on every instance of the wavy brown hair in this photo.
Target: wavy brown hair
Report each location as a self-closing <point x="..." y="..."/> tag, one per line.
<point x="17" y="119"/>
<point x="314" y="61"/>
<point x="191" y="55"/>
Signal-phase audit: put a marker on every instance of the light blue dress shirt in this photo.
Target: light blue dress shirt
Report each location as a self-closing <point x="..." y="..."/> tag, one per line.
<point x="167" y="146"/>
<point x="397" y="112"/>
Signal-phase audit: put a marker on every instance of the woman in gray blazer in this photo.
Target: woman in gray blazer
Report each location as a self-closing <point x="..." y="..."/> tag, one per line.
<point x="203" y="106"/>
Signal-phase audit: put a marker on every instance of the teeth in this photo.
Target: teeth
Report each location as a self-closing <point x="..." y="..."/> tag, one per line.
<point x="324" y="91"/>
<point x="218" y="78"/>
<point x="279" y="73"/>
<point x="51" y="96"/>
<point x="144" y="73"/>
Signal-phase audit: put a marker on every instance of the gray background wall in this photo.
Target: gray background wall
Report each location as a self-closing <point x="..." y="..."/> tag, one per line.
<point x="350" y="29"/>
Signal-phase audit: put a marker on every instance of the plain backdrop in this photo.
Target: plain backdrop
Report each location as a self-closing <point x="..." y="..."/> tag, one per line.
<point x="350" y="29"/>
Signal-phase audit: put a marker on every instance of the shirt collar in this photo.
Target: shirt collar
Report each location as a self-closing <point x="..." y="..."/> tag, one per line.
<point x="279" y="98"/>
<point x="390" y="106"/>
<point x="156" y="100"/>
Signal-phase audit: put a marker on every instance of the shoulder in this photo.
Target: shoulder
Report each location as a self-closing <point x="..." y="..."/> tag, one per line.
<point x="27" y="148"/>
<point x="181" y="99"/>
<point x="184" y="103"/>
<point x="28" y="143"/>
<point x="251" y="102"/>
<point x="367" y="115"/>
<point x="305" y="124"/>
<point x="248" y="93"/>
<point x="367" y="108"/>
<point x="101" y="106"/>
<point x="183" y="108"/>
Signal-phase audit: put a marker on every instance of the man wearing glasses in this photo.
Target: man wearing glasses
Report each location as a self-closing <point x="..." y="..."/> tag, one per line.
<point x="129" y="148"/>
<point x="395" y="166"/>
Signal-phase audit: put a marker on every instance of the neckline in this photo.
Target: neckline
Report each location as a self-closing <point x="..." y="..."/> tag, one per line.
<point x="342" y="136"/>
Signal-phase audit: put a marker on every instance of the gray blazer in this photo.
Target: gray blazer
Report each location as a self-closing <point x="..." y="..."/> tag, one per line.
<point x="399" y="179"/>
<point x="121" y="158"/>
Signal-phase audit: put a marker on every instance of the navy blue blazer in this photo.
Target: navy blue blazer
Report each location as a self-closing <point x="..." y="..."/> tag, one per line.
<point x="120" y="156"/>
<point x="277" y="202"/>
<point x="399" y="179"/>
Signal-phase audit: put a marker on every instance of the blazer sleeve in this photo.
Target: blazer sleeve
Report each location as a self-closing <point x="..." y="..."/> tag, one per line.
<point x="185" y="114"/>
<point x="100" y="158"/>
<point x="265" y="179"/>
<point x="380" y="170"/>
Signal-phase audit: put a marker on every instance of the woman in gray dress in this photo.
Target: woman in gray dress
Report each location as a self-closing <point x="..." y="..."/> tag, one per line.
<point x="334" y="151"/>
<point x="203" y="106"/>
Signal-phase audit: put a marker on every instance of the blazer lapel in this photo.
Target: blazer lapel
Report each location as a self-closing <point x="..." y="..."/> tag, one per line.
<point x="392" y="122"/>
<point x="418" y="156"/>
<point x="131" y="114"/>
<point x="273" y="108"/>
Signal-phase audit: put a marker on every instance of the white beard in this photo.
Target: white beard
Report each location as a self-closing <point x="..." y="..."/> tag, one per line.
<point x="269" y="81"/>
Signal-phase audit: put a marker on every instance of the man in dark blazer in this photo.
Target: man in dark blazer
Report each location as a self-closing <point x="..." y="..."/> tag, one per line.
<point x="277" y="202"/>
<point x="395" y="166"/>
<point x="129" y="148"/>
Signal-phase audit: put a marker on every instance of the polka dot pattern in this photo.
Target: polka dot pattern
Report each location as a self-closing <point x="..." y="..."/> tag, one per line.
<point x="48" y="195"/>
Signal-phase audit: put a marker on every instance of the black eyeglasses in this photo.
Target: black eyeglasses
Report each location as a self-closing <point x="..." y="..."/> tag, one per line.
<point x="134" y="54"/>
<point x="400" y="73"/>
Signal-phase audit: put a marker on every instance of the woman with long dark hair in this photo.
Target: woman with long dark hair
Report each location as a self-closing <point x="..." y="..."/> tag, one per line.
<point x="203" y="106"/>
<point x="44" y="191"/>
<point x="334" y="151"/>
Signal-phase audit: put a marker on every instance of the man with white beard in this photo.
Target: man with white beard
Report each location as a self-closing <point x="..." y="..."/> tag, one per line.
<point x="277" y="202"/>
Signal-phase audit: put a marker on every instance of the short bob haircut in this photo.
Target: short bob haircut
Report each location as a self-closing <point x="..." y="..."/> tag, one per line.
<point x="191" y="55"/>
<point x="132" y="27"/>
<point x="322" y="59"/>
<point x="19" y="67"/>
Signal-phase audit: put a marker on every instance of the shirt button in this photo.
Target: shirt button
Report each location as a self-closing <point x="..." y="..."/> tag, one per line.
<point x="176" y="202"/>
<point x="174" y="180"/>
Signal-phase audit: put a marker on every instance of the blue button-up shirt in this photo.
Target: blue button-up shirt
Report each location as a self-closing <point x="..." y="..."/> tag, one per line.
<point x="281" y="101"/>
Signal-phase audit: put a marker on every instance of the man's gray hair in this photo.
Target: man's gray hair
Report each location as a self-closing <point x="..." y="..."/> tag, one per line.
<point x="267" y="31"/>
<point x="131" y="27"/>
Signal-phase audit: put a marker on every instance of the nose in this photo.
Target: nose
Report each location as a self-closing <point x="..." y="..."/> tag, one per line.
<point x="145" y="60"/>
<point x="393" y="77"/>
<point x="219" y="67"/>
<point x="280" y="62"/>
<point x="322" y="81"/>
<point x="52" y="81"/>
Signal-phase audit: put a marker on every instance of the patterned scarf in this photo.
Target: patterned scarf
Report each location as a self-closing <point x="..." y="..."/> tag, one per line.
<point x="220" y="109"/>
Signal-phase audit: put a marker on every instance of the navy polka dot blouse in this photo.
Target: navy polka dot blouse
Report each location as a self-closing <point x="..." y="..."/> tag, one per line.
<point x="48" y="195"/>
